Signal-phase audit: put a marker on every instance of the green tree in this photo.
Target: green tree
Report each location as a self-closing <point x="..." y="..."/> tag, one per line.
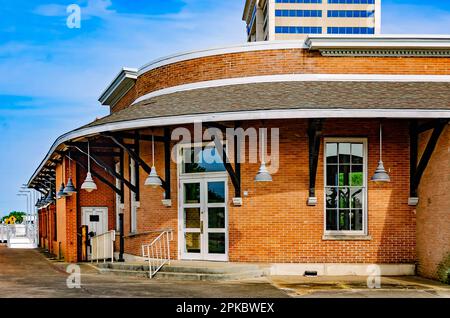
<point x="18" y="215"/>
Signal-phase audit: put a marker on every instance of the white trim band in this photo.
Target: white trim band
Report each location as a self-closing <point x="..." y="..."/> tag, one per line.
<point x="240" y="48"/>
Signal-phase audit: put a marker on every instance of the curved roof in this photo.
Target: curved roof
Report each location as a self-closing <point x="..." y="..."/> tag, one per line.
<point x="275" y="100"/>
<point x="280" y="96"/>
<point x="290" y="95"/>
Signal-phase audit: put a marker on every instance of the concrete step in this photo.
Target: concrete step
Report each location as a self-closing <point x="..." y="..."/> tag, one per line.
<point x="22" y="245"/>
<point x="21" y="242"/>
<point x="186" y="271"/>
<point x="209" y="277"/>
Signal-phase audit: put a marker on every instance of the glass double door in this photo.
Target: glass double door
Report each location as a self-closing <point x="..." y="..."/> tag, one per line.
<point x="204" y="219"/>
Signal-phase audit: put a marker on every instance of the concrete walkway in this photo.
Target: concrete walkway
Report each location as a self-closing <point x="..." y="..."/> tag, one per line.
<point x="27" y="273"/>
<point x="356" y="286"/>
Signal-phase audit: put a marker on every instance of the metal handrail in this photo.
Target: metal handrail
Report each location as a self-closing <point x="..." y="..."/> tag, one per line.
<point x="4" y="229"/>
<point x="103" y="246"/>
<point x="31" y="232"/>
<point x="157" y="253"/>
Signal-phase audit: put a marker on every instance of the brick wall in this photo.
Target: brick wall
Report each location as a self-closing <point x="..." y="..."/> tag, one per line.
<point x="275" y="224"/>
<point x="103" y="197"/>
<point x="275" y="62"/>
<point x="69" y="211"/>
<point x="433" y="210"/>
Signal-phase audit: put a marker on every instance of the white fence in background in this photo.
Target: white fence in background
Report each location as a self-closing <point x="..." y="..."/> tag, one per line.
<point x="4" y="232"/>
<point x="19" y="235"/>
<point x="157" y="253"/>
<point x="102" y="246"/>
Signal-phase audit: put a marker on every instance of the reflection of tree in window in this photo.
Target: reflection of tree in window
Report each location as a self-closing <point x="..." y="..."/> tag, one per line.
<point x="206" y="159"/>
<point x="216" y="192"/>
<point x="344" y="186"/>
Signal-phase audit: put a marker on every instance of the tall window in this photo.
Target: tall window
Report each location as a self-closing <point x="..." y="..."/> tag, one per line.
<point x="345" y="186"/>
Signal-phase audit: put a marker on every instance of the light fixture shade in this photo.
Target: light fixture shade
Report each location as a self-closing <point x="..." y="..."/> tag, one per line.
<point x="153" y="179"/>
<point x="61" y="192"/>
<point x="263" y="174"/>
<point x="70" y="189"/>
<point x="89" y="184"/>
<point x="49" y="198"/>
<point x="381" y="174"/>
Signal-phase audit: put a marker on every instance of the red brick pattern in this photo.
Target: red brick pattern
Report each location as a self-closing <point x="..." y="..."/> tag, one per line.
<point x="276" y="225"/>
<point x="433" y="211"/>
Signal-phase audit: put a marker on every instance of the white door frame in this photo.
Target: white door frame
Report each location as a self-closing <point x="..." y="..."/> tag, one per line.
<point x="204" y="206"/>
<point x="203" y="179"/>
<point x="84" y="211"/>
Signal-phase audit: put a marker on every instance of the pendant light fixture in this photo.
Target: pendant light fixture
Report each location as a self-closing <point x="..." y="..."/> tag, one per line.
<point x="381" y="175"/>
<point x="70" y="188"/>
<point x="263" y="174"/>
<point x="39" y="203"/>
<point x="153" y="179"/>
<point x="61" y="194"/>
<point x="89" y="184"/>
<point x="49" y="198"/>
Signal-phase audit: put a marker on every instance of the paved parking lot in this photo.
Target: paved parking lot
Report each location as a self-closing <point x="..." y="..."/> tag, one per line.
<point x="27" y="273"/>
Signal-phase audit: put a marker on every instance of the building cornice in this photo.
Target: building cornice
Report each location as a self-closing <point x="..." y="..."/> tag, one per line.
<point x="381" y="45"/>
<point x="121" y="84"/>
<point x="385" y="52"/>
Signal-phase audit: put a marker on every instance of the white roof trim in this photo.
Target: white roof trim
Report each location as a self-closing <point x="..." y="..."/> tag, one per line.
<point x="296" y="78"/>
<point x="247" y="47"/>
<point x="242" y="115"/>
<point x="108" y="94"/>
<point x="312" y="42"/>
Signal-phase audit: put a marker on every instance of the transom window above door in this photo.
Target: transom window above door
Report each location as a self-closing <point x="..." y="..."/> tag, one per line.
<point x="201" y="159"/>
<point x="345" y="186"/>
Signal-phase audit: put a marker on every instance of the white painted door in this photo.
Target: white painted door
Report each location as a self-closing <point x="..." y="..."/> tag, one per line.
<point x="203" y="219"/>
<point x="96" y="219"/>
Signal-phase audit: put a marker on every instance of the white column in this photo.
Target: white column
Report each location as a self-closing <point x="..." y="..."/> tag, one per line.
<point x="259" y="23"/>
<point x="271" y="19"/>
<point x="377" y="16"/>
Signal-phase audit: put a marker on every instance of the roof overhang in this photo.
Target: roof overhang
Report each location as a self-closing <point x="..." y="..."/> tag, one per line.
<point x="233" y="116"/>
<point x="121" y="84"/>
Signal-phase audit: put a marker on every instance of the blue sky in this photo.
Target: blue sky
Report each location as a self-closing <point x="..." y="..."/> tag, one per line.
<point x="53" y="75"/>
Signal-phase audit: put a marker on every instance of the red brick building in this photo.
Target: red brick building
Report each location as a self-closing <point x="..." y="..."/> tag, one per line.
<point x="315" y="109"/>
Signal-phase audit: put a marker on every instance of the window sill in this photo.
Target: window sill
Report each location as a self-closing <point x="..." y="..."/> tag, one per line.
<point x="337" y="237"/>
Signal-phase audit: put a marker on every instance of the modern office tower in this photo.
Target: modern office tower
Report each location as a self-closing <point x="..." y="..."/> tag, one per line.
<point x="296" y="19"/>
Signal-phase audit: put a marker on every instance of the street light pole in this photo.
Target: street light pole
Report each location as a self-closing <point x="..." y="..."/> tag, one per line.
<point x="28" y="203"/>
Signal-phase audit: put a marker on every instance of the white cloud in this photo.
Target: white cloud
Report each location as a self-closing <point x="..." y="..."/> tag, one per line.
<point x="78" y="69"/>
